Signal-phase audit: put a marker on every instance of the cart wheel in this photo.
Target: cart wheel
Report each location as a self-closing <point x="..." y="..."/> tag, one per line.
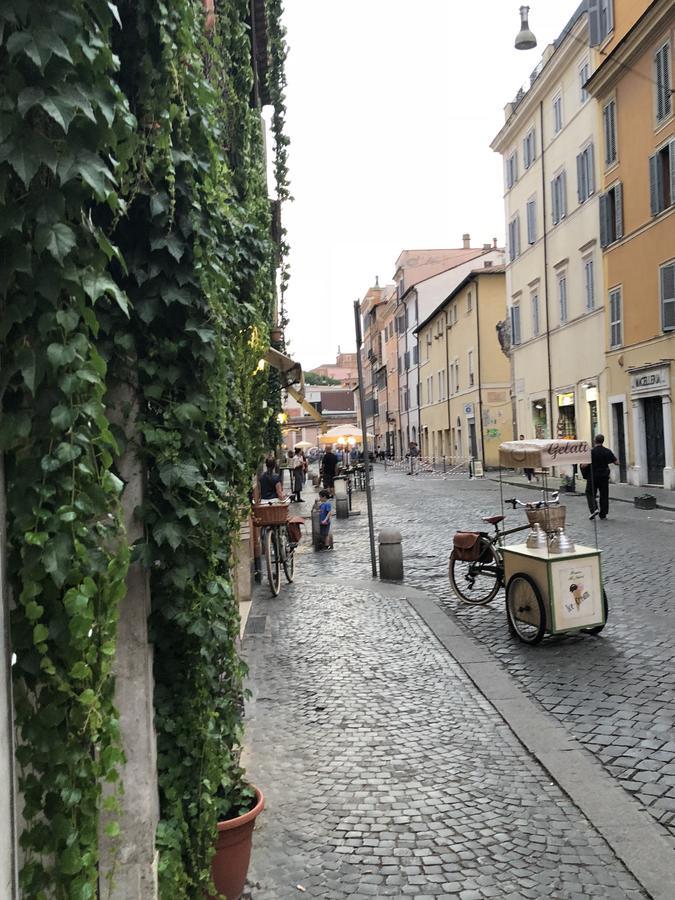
<point x="596" y="629"/>
<point x="525" y="609"/>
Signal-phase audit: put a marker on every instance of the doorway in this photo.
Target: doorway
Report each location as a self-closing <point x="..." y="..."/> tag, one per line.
<point x="656" y="448"/>
<point x="473" y="446"/>
<point x="620" y="438"/>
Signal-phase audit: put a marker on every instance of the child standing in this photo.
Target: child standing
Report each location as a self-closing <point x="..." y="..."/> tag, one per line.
<point x="325" y="514"/>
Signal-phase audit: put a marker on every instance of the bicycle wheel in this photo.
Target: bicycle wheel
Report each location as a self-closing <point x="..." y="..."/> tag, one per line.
<point x="287" y="556"/>
<point x="596" y="629"/>
<point x="476" y="582"/>
<point x="272" y="560"/>
<point x="525" y="609"/>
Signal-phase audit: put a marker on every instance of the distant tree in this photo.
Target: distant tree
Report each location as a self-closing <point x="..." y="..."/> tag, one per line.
<point x="313" y="378"/>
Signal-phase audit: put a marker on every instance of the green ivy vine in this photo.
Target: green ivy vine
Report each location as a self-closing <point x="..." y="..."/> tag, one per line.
<point x="135" y="251"/>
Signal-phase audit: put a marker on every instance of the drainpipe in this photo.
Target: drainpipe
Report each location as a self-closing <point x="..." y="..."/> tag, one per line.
<point x="418" y="397"/>
<point x="548" y="331"/>
<point x="480" y="380"/>
<point x="447" y="383"/>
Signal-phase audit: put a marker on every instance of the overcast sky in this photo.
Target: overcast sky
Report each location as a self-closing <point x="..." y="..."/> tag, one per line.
<point x="392" y="105"/>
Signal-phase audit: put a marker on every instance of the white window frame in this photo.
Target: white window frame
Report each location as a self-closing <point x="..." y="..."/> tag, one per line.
<point x="558" y="113"/>
<point x="563" y="306"/>
<point x="514" y="238"/>
<point x="516" y="333"/>
<point x="669" y="300"/>
<point x="512" y="169"/>
<point x="663" y="91"/>
<point x="609" y="132"/>
<point x="534" y="306"/>
<point x="559" y="197"/>
<point x="529" y="149"/>
<point x="584" y="75"/>
<point x="456" y="375"/>
<point x="469" y="363"/>
<point x="617" y="225"/>
<point x="531" y="219"/>
<point x="589" y="283"/>
<point x="586" y="173"/>
<point x="601" y="21"/>
<point x="615" y="299"/>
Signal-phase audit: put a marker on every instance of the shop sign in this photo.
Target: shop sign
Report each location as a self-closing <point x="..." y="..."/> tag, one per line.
<point x="468" y="410"/>
<point x="565" y="399"/>
<point x="650" y="381"/>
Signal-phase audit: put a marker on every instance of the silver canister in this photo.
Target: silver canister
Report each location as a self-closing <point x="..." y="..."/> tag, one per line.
<point x="536" y="538"/>
<point x="560" y="542"/>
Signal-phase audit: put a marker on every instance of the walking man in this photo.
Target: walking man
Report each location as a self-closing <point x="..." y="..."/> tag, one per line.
<point x="597" y="477"/>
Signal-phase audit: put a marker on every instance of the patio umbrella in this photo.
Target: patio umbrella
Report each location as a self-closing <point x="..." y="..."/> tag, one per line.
<point x="342" y="434"/>
<point x="303" y="445"/>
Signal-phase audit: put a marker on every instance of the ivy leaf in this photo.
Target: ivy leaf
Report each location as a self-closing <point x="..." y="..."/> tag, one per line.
<point x="40" y="634"/>
<point x="61" y="110"/>
<point x="62" y="417"/>
<point x="58" y="239"/>
<point x="70" y="861"/>
<point x="28" y="98"/>
<point x="96" y="284"/>
<point x="22" y="158"/>
<point x="67" y="319"/>
<point x="80" y="671"/>
<point x="33" y="611"/>
<point x="26" y="363"/>
<point x="168" y="533"/>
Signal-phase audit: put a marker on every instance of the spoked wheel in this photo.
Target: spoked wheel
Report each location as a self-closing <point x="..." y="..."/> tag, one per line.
<point x="476" y="582"/>
<point x="525" y="609"/>
<point x="596" y="629"/>
<point x="287" y="556"/>
<point x="272" y="560"/>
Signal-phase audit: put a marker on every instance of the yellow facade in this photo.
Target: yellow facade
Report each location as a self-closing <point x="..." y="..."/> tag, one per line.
<point x="464" y="377"/>
<point x="639" y="337"/>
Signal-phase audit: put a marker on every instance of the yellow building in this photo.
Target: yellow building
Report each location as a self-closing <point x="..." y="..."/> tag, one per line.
<point x="636" y="105"/>
<point x="465" y="401"/>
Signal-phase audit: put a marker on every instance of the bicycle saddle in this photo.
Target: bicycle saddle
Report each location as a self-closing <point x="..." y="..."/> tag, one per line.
<point x="493" y="520"/>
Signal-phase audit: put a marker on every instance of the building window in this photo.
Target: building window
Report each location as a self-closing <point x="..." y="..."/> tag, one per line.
<point x="562" y="297"/>
<point x="529" y="149"/>
<point x="469" y="357"/>
<point x="609" y="130"/>
<point x="584" y="75"/>
<point x="559" y="197"/>
<point x="469" y="302"/>
<point x="668" y="296"/>
<point x="531" y="212"/>
<point x="601" y="18"/>
<point x="664" y="99"/>
<point x="611" y="215"/>
<point x="589" y="284"/>
<point x="585" y="174"/>
<point x="534" y="301"/>
<point x="515" y="324"/>
<point x="514" y="239"/>
<point x="407" y="360"/>
<point x="415" y="355"/>
<point x="662" y="178"/>
<point x="615" y="338"/>
<point x="557" y="114"/>
<point x="512" y="169"/>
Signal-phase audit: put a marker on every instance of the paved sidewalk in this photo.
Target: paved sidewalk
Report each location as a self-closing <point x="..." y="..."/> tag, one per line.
<point x="387" y="773"/>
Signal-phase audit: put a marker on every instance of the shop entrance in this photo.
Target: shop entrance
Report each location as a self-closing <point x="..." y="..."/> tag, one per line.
<point x="656" y="448"/>
<point x="620" y="437"/>
<point x="473" y="446"/>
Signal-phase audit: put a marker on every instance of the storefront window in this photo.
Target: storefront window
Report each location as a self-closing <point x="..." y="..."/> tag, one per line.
<point x="567" y="426"/>
<point x="539" y="419"/>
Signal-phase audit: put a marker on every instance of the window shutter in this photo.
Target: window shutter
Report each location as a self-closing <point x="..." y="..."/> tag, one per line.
<point x="581" y="194"/>
<point x="603" y="221"/>
<point x="517" y="230"/>
<point x="668" y="296"/>
<point x="672" y="171"/>
<point x="554" y="203"/>
<point x="654" y="185"/>
<point x="618" y="205"/>
<point x="612" y="129"/>
<point x="590" y="170"/>
<point x="594" y="20"/>
<point x="563" y="194"/>
<point x="660" y="110"/>
<point x="667" y="95"/>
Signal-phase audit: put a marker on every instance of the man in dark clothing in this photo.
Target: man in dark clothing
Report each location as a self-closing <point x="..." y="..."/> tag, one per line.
<point x="329" y="465"/>
<point x="597" y="477"/>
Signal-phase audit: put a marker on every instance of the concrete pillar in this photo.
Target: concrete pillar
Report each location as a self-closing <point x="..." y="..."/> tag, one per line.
<point x="8" y="835"/>
<point x="668" y="472"/>
<point x="129" y="863"/>
<point x="342" y="507"/>
<point x="391" y="555"/>
<point x="638" y="471"/>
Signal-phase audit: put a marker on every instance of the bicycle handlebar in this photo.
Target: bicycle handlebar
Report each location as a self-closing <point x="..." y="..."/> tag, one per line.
<point x="539" y="504"/>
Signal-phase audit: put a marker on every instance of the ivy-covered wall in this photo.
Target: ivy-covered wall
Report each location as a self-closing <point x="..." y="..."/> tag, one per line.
<point x="135" y="253"/>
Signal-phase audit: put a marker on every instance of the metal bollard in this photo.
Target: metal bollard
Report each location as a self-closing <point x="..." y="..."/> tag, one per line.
<point x="342" y="507"/>
<point x="391" y="554"/>
<point x="316" y="525"/>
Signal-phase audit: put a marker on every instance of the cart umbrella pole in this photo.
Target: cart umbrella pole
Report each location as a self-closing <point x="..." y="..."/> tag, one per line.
<point x="366" y="456"/>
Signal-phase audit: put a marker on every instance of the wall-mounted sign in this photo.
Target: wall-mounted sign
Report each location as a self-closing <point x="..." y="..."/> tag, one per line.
<point x="653" y="380"/>
<point x="468" y="410"/>
<point x="566" y="399"/>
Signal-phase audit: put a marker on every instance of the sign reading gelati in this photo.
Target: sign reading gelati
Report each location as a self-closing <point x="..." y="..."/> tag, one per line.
<point x="645" y="381"/>
<point x="544" y="453"/>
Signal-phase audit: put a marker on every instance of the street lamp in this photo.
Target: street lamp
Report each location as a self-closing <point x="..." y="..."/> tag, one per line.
<point x="525" y="39"/>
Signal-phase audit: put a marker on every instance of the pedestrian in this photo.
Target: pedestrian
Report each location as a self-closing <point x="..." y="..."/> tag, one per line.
<point x="329" y="465"/>
<point x="297" y="470"/>
<point x="413" y="453"/>
<point x="597" y="477"/>
<point x="325" y="515"/>
<point x="529" y="473"/>
<point x="269" y="483"/>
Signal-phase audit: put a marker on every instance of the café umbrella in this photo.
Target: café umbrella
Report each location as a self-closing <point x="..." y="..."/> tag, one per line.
<point x="343" y="434"/>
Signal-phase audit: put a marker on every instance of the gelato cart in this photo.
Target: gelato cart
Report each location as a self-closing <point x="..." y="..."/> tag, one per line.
<point x="552" y="585"/>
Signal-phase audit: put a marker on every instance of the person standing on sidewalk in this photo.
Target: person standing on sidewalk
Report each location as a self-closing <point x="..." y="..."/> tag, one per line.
<point x="529" y="473"/>
<point x="329" y="465"/>
<point x="298" y="472"/>
<point x="597" y="477"/>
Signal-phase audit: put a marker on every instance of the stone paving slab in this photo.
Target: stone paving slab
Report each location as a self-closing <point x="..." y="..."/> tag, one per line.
<point x="387" y="773"/>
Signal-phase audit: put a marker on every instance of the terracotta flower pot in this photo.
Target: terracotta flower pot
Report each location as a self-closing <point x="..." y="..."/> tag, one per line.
<point x="229" y="865"/>
<point x="276" y="335"/>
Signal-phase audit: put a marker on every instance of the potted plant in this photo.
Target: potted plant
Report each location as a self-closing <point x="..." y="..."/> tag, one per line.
<point x="241" y="804"/>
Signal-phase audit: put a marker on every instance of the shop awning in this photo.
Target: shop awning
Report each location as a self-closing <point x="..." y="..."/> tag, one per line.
<point x="542" y="454"/>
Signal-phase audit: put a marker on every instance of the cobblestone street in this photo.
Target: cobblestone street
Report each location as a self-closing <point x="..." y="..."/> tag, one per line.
<point x="615" y="693"/>
<point x="386" y="771"/>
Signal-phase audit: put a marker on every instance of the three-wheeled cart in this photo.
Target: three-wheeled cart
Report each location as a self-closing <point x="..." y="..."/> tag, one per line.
<point x="552" y="585"/>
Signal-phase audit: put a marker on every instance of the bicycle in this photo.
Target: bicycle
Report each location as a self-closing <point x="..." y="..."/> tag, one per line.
<point x="277" y="548"/>
<point x="476" y="570"/>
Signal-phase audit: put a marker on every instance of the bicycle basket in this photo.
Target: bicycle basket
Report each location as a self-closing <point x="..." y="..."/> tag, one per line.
<point x="549" y="517"/>
<point x="467" y="546"/>
<point x="270" y="513"/>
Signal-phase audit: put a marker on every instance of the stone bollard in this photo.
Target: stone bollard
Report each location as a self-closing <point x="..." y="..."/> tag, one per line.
<point x="316" y="525"/>
<point x="391" y="554"/>
<point x="342" y="507"/>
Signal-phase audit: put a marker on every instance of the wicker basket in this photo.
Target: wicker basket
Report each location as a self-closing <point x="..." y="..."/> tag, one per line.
<point x="270" y="513"/>
<point x="550" y="518"/>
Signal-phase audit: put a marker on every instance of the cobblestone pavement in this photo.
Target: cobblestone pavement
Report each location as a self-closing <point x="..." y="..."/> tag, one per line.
<point x="386" y="773"/>
<point x="615" y="693"/>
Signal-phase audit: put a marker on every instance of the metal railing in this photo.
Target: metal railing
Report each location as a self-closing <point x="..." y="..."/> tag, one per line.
<point x="432" y="466"/>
